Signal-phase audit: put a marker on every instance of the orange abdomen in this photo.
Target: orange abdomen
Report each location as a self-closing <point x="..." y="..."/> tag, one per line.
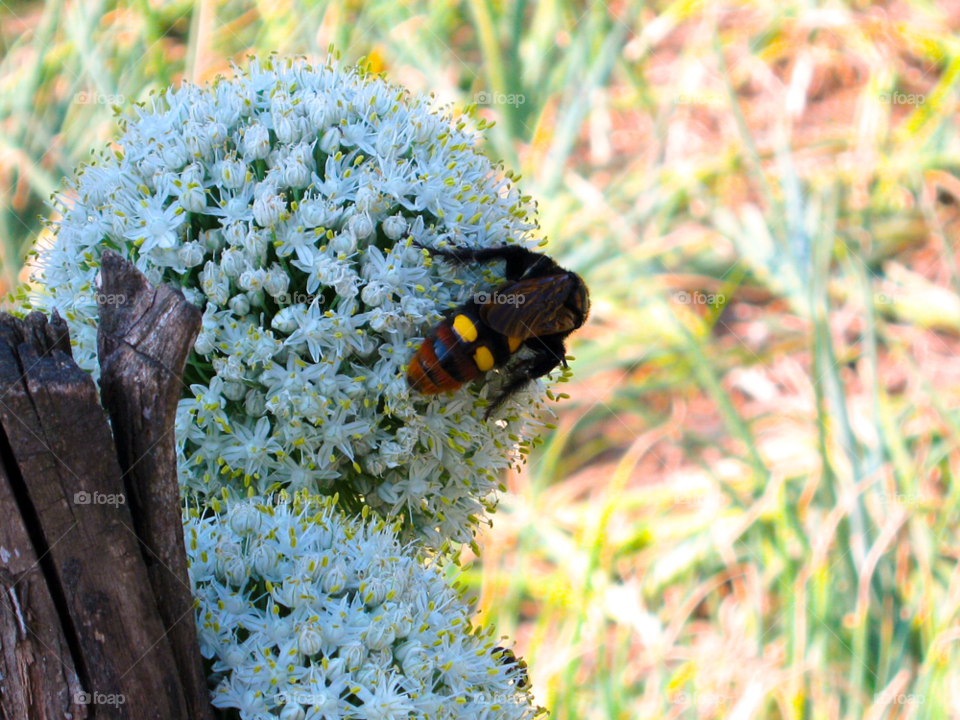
<point x="457" y="352"/>
<point x="425" y="374"/>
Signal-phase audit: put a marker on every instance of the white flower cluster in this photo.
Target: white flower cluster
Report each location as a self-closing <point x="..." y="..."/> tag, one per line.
<point x="288" y="203"/>
<point x="309" y="615"/>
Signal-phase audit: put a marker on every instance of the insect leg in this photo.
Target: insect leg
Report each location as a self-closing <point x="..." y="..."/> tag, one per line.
<point x="548" y="351"/>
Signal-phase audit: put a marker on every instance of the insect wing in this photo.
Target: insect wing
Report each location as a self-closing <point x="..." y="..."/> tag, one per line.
<point x="530" y="308"/>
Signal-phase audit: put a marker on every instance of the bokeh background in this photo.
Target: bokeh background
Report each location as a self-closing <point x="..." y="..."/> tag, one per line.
<point x="749" y="506"/>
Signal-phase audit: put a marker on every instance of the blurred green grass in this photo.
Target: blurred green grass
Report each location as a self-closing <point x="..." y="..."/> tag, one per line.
<point x="749" y="508"/>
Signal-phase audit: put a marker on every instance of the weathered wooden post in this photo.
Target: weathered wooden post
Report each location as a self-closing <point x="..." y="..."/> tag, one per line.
<point x="96" y="614"/>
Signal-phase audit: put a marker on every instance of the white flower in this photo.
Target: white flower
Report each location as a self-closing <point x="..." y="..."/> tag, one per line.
<point x="293" y="711"/>
<point x="232" y="173"/>
<point x="255" y="403"/>
<point x="276" y="281"/>
<point x="330" y="140"/>
<point x="256" y="142"/>
<point x="233" y="389"/>
<point x="253" y="448"/>
<point x="214" y="282"/>
<point x="366" y="200"/>
<point x="361" y="225"/>
<point x="212" y="240"/>
<point x="346" y="242"/>
<point x="158" y="226"/>
<point x="289" y="203"/>
<point x="286" y="320"/>
<point x="244" y="519"/>
<point x="394" y="227"/>
<point x="268" y="207"/>
<point x="174" y="152"/>
<point x="285" y="123"/>
<point x="233" y="261"/>
<point x="205" y="342"/>
<point x="191" y="254"/>
<point x="297" y="166"/>
<point x="323" y="649"/>
<point x="309" y="641"/>
<point x="239" y="304"/>
<point x="252" y="280"/>
<point x="192" y="196"/>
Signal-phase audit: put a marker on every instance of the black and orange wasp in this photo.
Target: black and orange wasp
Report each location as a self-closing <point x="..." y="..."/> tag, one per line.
<point x="537" y="307"/>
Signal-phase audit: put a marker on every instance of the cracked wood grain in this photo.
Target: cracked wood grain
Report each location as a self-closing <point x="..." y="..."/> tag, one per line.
<point x="78" y="609"/>
<point x="146" y="334"/>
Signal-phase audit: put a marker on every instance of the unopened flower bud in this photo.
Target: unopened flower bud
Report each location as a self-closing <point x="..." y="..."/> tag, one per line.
<point x="256" y="142"/>
<point x="286" y="320"/>
<point x="362" y="226"/>
<point x="252" y="280"/>
<point x="212" y="240"/>
<point x="215" y="283"/>
<point x="233" y="390"/>
<point x="309" y="642"/>
<point x="193" y="198"/>
<point x="295" y="174"/>
<point x="276" y="281"/>
<point x="287" y="127"/>
<point x="191" y="254"/>
<point x="292" y="711"/>
<point x="239" y="304"/>
<point x="344" y="242"/>
<point x="330" y="142"/>
<point x="366" y="199"/>
<point x="245" y="519"/>
<point x="394" y="227"/>
<point x="233" y="173"/>
<point x="267" y="209"/>
<point x="256" y="403"/>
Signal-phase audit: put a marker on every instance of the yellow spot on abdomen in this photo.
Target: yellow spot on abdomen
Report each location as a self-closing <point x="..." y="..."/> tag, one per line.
<point x="483" y="358"/>
<point x="464" y="328"/>
<point x="514" y="343"/>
